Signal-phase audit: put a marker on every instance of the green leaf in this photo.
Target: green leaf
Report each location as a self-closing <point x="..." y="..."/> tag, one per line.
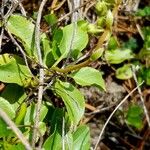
<point x="144" y="74"/>
<point x="117" y="56"/>
<point x="14" y="94"/>
<point x="30" y="115"/>
<point x="113" y="43"/>
<point x="143" y="12"/>
<point x="97" y="54"/>
<point x="23" y="29"/>
<point x="53" y="142"/>
<point x="81" y="138"/>
<point x="51" y="19"/>
<point x="83" y="24"/>
<point x="7" y="108"/>
<point x="73" y="37"/>
<point x="19" y="146"/>
<point x="14" y="71"/>
<point x="134" y="116"/>
<point x="4" y="131"/>
<point x="131" y="44"/>
<point x="124" y="72"/>
<point x="46" y="50"/>
<point x="42" y="128"/>
<point x="11" y="146"/>
<point x="30" y="118"/>
<point x="88" y="76"/>
<point x="69" y="141"/>
<point x="73" y="99"/>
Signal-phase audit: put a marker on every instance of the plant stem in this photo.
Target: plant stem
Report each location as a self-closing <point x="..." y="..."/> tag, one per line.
<point x="14" y="128"/>
<point x="72" y="67"/>
<point x="41" y="73"/>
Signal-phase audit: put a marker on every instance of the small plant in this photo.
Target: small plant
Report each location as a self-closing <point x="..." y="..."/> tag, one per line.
<point x="57" y="65"/>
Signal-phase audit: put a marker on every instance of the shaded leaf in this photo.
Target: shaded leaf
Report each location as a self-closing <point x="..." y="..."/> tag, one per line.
<point x="143" y="12"/>
<point x="134" y="115"/>
<point x="14" y="93"/>
<point x="131" y="44"/>
<point x="54" y="141"/>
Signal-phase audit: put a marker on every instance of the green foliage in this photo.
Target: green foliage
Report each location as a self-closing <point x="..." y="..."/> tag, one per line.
<point x="81" y="138"/>
<point x="51" y="19"/>
<point x="131" y="44"/>
<point x="7" y="107"/>
<point x="73" y="100"/>
<point x="145" y="12"/>
<point x="124" y="72"/>
<point x="144" y="74"/>
<point x="54" y="141"/>
<point x="75" y="41"/>
<point x="134" y="115"/>
<point x="88" y="76"/>
<point x="23" y="29"/>
<point x="66" y="68"/>
<point x="13" y="70"/>
<point x="117" y="56"/>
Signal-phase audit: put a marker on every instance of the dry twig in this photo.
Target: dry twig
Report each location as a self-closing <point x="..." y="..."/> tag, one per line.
<point x="106" y="123"/>
<point x="141" y="97"/>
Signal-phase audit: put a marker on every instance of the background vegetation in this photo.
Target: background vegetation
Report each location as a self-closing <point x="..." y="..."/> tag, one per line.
<point x="74" y="74"/>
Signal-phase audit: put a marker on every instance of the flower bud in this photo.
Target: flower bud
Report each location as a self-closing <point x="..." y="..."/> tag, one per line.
<point x="92" y="28"/>
<point x="97" y="54"/>
<point x="109" y="19"/>
<point x="101" y="22"/>
<point x="101" y="8"/>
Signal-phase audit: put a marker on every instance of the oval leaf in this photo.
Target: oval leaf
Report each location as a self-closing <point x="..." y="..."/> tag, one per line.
<point x="14" y="71"/>
<point x="75" y="38"/>
<point x="124" y="72"/>
<point x="7" y="107"/>
<point x="87" y="76"/>
<point x="118" y="55"/>
<point x="72" y="98"/>
<point x="23" y="29"/>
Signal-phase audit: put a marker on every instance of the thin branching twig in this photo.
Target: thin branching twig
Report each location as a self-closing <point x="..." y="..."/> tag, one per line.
<point x="106" y="123"/>
<point x="14" y="128"/>
<point x="41" y="72"/>
<point x="21" y="50"/>
<point x="71" y="12"/>
<point x="2" y="30"/>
